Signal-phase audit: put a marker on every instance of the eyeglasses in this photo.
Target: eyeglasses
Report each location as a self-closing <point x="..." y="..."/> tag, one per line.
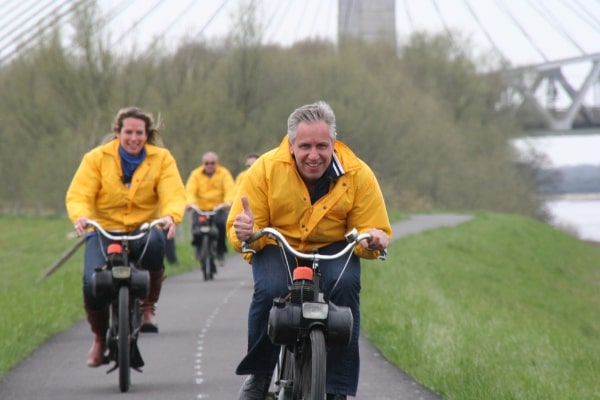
<point x="209" y="163"/>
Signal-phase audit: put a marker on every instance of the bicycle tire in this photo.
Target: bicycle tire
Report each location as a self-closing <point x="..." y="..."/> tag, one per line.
<point x="205" y="258"/>
<point x="124" y="348"/>
<point x="313" y="366"/>
<point x="212" y="255"/>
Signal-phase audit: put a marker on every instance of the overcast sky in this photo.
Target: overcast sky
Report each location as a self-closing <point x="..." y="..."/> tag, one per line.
<point x="524" y="31"/>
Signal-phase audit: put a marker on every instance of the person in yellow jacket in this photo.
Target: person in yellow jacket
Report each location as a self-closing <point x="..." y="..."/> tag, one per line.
<point x="250" y="158"/>
<point x="127" y="181"/>
<point x="208" y="187"/>
<point x="313" y="189"/>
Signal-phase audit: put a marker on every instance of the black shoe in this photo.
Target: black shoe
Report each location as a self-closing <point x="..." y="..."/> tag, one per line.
<point x="336" y="396"/>
<point x="255" y="387"/>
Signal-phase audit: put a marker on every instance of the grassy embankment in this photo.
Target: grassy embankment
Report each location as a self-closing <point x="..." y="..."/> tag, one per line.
<point x="501" y="307"/>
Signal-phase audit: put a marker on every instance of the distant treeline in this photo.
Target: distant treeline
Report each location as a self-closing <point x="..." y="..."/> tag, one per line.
<point x="429" y="117"/>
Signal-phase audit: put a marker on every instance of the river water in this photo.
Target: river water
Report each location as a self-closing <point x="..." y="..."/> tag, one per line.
<point x="581" y="217"/>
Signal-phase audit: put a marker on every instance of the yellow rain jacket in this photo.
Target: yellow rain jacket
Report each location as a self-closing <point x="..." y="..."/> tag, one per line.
<point x="97" y="190"/>
<point x="207" y="192"/>
<point x="279" y="198"/>
<point x="240" y="177"/>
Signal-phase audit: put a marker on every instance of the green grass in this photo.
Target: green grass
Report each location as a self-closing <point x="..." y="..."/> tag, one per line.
<point x="31" y="312"/>
<point x="501" y="307"/>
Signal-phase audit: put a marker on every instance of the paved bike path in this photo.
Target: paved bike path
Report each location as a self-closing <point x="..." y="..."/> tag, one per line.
<point x="202" y="338"/>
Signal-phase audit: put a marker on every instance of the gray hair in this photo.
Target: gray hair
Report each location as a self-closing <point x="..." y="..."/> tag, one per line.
<point x="210" y="153"/>
<point x="311" y="113"/>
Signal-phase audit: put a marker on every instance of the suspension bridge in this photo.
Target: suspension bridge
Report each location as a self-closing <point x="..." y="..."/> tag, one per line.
<point x="553" y="46"/>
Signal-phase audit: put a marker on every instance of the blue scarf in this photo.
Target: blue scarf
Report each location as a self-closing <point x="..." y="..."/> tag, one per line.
<point x="129" y="163"/>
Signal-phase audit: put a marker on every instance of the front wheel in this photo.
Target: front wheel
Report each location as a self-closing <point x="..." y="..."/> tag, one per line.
<point x="205" y="259"/>
<point x="313" y="366"/>
<point x="124" y="333"/>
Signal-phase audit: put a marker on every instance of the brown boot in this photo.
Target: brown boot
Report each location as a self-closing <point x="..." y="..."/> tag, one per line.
<point x="149" y="323"/>
<point x="98" y="320"/>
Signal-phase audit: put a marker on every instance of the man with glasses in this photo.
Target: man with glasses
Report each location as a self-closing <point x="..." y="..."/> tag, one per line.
<point x="208" y="187"/>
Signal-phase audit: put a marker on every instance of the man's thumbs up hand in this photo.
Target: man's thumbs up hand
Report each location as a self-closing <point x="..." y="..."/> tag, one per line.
<point x="244" y="221"/>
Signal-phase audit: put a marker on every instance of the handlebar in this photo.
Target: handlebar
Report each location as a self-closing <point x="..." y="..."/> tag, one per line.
<point x="144" y="229"/>
<point x="209" y="213"/>
<point x="352" y="237"/>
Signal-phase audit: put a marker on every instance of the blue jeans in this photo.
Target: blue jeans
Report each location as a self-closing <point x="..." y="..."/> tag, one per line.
<point x="94" y="257"/>
<point x="270" y="281"/>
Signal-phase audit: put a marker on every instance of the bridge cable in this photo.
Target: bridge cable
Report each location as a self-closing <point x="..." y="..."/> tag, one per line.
<point x="272" y="18"/>
<point x="138" y="21"/>
<point x="523" y="31"/>
<point x="582" y="16"/>
<point x="557" y="25"/>
<point x="22" y="47"/>
<point x="213" y="16"/>
<point x="39" y="29"/>
<point x="4" y="15"/>
<point x="155" y="41"/>
<point x="300" y="21"/>
<point x="587" y="12"/>
<point x="409" y="17"/>
<point x="317" y="12"/>
<point x="330" y="11"/>
<point x="182" y="14"/>
<point x="439" y="13"/>
<point x="28" y="18"/>
<point x="482" y="27"/>
<point x="116" y="11"/>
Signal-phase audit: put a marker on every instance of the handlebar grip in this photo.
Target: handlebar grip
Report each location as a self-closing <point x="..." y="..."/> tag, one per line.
<point x="254" y="237"/>
<point x="382" y="254"/>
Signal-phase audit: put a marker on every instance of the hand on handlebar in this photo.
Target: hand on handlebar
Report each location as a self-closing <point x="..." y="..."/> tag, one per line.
<point x="223" y="206"/>
<point x="379" y="240"/>
<point x="243" y="223"/>
<point x="80" y="225"/>
<point x="169" y="225"/>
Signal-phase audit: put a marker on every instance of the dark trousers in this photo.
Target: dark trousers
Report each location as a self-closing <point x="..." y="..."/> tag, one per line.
<point x="220" y="221"/>
<point x="271" y="281"/>
<point x="170" y="252"/>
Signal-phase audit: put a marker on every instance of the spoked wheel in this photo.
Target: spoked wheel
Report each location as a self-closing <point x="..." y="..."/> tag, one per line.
<point x="205" y="259"/>
<point x="136" y="318"/>
<point x="285" y="375"/>
<point x="124" y="348"/>
<point x="313" y="366"/>
<point x="213" y="266"/>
